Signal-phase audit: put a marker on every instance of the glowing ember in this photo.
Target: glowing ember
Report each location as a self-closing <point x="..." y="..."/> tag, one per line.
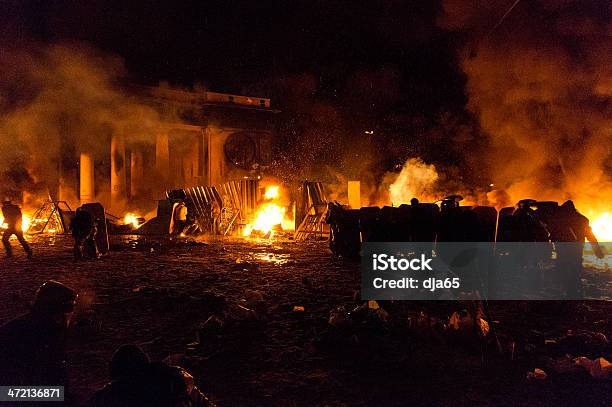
<point x="602" y="227"/>
<point x="131" y="219"/>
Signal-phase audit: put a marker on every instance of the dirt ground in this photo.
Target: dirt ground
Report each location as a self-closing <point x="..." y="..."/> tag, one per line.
<point x="158" y="295"/>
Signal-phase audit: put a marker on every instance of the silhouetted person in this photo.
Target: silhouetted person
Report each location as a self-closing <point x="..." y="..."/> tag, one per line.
<point x="83" y="227"/>
<point x="136" y="381"/>
<point x="414" y="202"/>
<point x="527" y="226"/>
<point x="571" y="231"/>
<point x="32" y="347"/>
<point x="180" y="218"/>
<point x="13" y="219"/>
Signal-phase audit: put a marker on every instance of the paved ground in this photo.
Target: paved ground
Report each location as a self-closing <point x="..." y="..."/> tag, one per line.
<point x="156" y="294"/>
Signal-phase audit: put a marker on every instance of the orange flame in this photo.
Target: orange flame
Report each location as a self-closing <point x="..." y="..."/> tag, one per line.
<point x="601" y="225"/>
<point x="26" y="220"/>
<point x="269" y="215"/>
<point x="132" y="219"/>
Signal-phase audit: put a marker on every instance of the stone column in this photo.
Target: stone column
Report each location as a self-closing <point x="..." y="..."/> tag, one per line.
<point x="162" y="162"/>
<point x="118" y="173"/>
<point x="162" y="154"/>
<point x="136" y="172"/>
<point x="86" y="178"/>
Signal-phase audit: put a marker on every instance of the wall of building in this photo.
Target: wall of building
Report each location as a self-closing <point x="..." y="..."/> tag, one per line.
<point x="190" y="149"/>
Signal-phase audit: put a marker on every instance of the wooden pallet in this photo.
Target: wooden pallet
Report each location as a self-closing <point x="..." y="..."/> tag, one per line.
<point x="312" y="226"/>
<point x="311" y="208"/>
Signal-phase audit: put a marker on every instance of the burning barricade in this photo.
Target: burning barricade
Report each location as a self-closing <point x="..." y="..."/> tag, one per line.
<point x="269" y="216"/>
<point x="232" y="208"/>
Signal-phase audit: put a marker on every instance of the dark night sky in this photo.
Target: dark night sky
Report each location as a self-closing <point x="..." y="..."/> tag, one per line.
<point x="381" y="65"/>
<point x="232" y="44"/>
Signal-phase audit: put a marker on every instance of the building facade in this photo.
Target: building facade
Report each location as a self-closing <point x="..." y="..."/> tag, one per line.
<point x="203" y="138"/>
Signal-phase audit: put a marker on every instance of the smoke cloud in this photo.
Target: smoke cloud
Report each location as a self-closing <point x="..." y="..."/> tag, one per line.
<point x="541" y="86"/>
<point x="57" y="101"/>
<point x="417" y="179"/>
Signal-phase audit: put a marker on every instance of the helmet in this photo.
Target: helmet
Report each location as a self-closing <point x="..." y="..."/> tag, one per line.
<point x="451" y="202"/>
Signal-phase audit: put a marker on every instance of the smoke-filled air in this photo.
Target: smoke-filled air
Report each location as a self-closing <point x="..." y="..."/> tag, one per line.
<point x="55" y="101"/>
<point x="540" y="83"/>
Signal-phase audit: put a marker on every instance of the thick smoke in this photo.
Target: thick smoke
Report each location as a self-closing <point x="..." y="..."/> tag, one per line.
<point x="417" y="179"/>
<point x="55" y="102"/>
<point x="541" y="85"/>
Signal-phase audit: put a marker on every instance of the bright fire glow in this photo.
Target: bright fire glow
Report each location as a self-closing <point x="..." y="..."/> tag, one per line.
<point x="272" y="192"/>
<point x="131" y="219"/>
<point x="602" y="227"/>
<point x="266" y="218"/>
<point x="269" y="214"/>
<point x="25" y="223"/>
<point x="416" y="180"/>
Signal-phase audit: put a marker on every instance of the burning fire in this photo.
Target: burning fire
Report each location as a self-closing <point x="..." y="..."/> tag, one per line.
<point x="602" y="227"/>
<point x="267" y="217"/>
<point x="269" y="214"/>
<point x="131" y="219"/>
<point x="25" y="222"/>
<point x="272" y="192"/>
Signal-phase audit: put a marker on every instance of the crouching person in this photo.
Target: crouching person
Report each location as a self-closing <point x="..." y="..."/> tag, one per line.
<point x="136" y="381"/>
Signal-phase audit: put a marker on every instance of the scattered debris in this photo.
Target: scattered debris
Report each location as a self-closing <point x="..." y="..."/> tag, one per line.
<point x="599" y="368"/>
<point x="339" y="317"/>
<point x="212" y="327"/>
<point x="255" y="300"/>
<point x="239" y="312"/>
<point x="537" y="374"/>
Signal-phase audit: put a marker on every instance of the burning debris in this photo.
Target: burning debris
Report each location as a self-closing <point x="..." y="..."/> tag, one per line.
<point x="269" y="215"/>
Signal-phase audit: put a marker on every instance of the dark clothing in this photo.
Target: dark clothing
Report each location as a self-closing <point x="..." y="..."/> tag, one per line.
<point x="155" y="384"/>
<point x="82" y="223"/>
<point x="12" y="215"/>
<point x="570" y="231"/>
<point x="526" y="227"/>
<point x="84" y="232"/>
<point x="7" y="245"/>
<point x="13" y="218"/>
<point x="32" y="352"/>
